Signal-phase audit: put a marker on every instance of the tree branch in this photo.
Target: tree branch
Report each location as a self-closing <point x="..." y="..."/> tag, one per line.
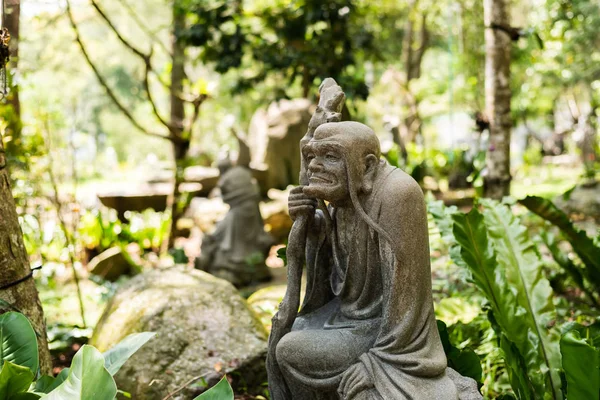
<point x="131" y="47"/>
<point x="149" y="95"/>
<point x="197" y="102"/>
<point x="103" y="82"/>
<point x="142" y="26"/>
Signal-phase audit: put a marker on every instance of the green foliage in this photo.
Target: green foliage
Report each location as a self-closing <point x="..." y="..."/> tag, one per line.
<point x="89" y="377"/>
<point x="461" y="168"/>
<point x="14" y="381"/>
<point x="116" y="357"/>
<point x="506" y="268"/>
<point x="584" y="246"/>
<point x="465" y="362"/>
<point x="522" y="265"/>
<point x="221" y="391"/>
<point x="302" y="39"/>
<point x="101" y="230"/>
<point x="18" y="343"/>
<point x="581" y="362"/>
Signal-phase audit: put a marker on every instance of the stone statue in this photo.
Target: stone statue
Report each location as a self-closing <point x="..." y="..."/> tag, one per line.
<point x="237" y="249"/>
<point x="366" y="328"/>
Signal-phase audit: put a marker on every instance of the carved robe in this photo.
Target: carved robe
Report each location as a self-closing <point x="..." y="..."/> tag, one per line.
<point x="369" y="301"/>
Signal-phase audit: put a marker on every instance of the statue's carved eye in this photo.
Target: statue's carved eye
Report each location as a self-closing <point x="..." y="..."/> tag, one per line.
<point x="332" y="157"/>
<point x="310" y="157"/>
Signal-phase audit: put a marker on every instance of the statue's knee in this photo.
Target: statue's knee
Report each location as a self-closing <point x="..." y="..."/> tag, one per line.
<point x="287" y="351"/>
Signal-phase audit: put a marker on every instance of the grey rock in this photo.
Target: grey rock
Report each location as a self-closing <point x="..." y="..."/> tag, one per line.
<point x="204" y="328"/>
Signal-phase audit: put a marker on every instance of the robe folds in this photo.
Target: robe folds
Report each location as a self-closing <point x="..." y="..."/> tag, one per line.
<point x="369" y="302"/>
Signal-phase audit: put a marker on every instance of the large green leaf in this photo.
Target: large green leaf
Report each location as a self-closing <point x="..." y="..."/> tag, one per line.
<point x="116" y="357"/>
<point x="221" y="391"/>
<point x="442" y="216"/>
<point x="581" y="362"/>
<point x="477" y="252"/>
<point x="46" y="383"/>
<point x="18" y="343"/>
<point x="583" y="245"/>
<point x="14" y="379"/>
<point x="87" y="379"/>
<point x="517" y="254"/>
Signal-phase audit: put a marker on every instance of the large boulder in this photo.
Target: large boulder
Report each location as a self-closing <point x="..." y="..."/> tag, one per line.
<point x="204" y="329"/>
<point x="274" y="141"/>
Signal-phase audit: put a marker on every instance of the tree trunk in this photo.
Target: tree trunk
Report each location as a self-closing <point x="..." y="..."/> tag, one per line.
<point x="11" y="22"/>
<point x="177" y="116"/>
<point x="14" y="265"/>
<point x="413" y="49"/>
<point x="497" y="97"/>
<point x="587" y="128"/>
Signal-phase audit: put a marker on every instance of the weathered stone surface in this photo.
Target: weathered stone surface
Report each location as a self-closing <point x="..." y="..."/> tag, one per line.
<point x="366" y="328"/>
<point x="237" y="249"/>
<point x="204" y="328"/>
<point x="274" y="137"/>
<point x="110" y="264"/>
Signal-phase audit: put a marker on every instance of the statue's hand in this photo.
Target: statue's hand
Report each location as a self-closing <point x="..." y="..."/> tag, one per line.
<point x="354" y="381"/>
<point x="300" y="204"/>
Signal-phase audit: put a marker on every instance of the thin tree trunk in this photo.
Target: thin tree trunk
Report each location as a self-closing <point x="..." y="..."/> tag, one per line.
<point x="177" y="116"/>
<point x="14" y="265"/>
<point x="413" y="50"/>
<point x="497" y="96"/>
<point x="11" y="22"/>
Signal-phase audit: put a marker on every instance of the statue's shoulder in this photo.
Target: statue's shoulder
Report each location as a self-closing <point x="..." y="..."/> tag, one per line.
<point x="398" y="186"/>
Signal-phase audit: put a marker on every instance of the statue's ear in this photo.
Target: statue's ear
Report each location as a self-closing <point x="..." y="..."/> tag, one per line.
<point x="371" y="162"/>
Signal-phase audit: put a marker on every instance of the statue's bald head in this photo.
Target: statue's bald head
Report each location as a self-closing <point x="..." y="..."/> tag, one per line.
<point x="354" y="137"/>
<point x="342" y="159"/>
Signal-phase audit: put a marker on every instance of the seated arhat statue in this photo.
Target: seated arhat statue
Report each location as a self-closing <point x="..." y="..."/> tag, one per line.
<point x="366" y="328"/>
<point x="237" y="249"/>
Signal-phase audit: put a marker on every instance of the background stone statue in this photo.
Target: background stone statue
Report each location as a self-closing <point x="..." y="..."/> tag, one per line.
<point x="366" y="329"/>
<point x="237" y="249"/>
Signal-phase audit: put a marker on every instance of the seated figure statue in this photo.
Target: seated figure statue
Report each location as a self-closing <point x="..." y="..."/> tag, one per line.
<point x="237" y="249"/>
<point x="366" y="328"/>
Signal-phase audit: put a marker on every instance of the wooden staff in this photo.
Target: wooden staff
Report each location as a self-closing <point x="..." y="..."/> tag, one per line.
<point x="331" y="100"/>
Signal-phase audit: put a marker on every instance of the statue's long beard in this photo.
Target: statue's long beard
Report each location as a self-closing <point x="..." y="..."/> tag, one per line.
<point x="361" y="211"/>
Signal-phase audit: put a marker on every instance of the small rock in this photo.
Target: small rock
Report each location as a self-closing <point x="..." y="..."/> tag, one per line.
<point x="110" y="264"/>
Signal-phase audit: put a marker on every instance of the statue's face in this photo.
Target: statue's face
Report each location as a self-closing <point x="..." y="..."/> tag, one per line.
<point x="327" y="175"/>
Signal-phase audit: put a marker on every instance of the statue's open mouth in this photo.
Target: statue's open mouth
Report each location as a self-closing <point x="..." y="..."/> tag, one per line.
<point x="319" y="179"/>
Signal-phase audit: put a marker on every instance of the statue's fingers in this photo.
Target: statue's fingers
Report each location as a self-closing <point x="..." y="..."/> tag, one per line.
<point x="300" y="195"/>
<point x="297" y="189"/>
<point x="302" y="202"/>
<point x="302" y="209"/>
<point x="349" y="376"/>
<point x="356" y="388"/>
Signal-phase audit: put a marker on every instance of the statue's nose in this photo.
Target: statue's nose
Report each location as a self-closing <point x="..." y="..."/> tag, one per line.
<point x="315" y="165"/>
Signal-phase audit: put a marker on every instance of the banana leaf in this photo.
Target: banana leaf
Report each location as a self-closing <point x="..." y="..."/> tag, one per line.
<point x="583" y="245"/>
<point x="518" y="256"/>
